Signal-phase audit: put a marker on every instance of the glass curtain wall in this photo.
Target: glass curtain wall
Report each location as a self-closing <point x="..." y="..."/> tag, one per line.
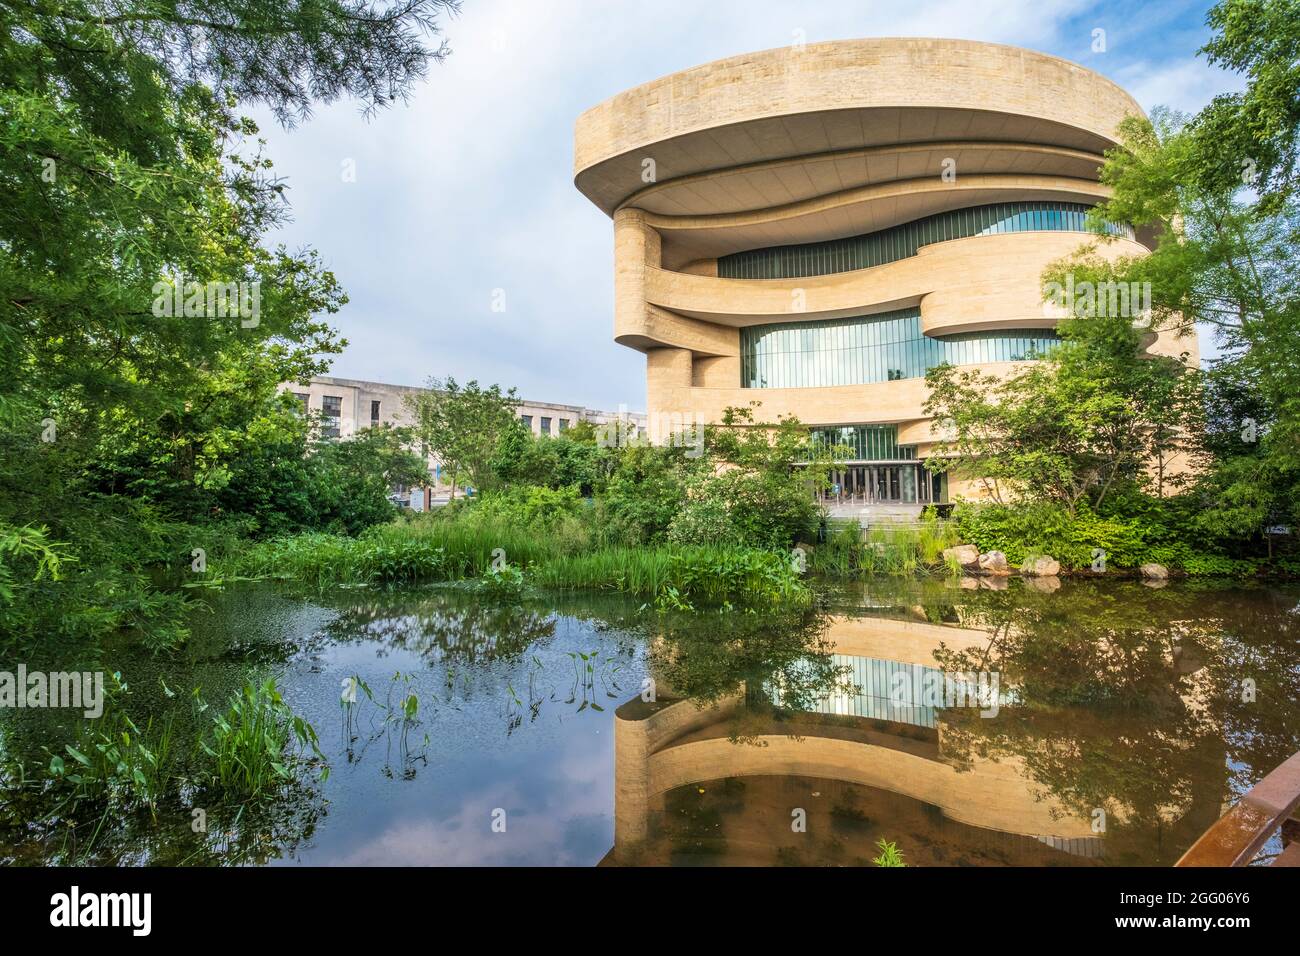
<point x="899" y="242"/>
<point x="877" y="348"/>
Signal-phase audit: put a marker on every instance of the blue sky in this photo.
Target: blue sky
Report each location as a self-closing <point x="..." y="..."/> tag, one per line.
<point x="468" y="188"/>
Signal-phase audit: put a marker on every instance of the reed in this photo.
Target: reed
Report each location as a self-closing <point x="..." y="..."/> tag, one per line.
<point x="258" y="743"/>
<point x="410" y="552"/>
<point x="454" y="549"/>
<point x="682" y="577"/>
<point x="902" y="551"/>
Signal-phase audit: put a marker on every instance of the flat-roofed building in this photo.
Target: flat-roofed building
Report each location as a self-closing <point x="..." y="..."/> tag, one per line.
<point x="347" y="405"/>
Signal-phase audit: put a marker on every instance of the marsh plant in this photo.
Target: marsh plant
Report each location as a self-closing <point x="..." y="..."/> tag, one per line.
<point x="849" y="550"/>
<point x="124" y="773"/>
<point x="589" y="668"/>
<point x="516" y="707"/>
<point x="116" y="761"/>
<point x="393" y="721"/>
<point x="594" y="678"/>
<point x="503" y="582"/>
<point x="258" y="744"/>
<point x="889" y="854"/>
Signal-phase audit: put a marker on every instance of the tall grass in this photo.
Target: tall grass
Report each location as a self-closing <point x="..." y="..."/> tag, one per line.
<point x="883" y="550"/>
<point x="681" y="577"/>
<point x="457" y="548"/>
<point x="431" y="549"/>
<point x="637" y="571"/>
<point x="258" y="742"/>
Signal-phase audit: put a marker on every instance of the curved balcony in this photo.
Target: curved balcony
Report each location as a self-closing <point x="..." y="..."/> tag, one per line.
<point x="852" y="212"/>
<point x="807" y="101"/>
<point x="963" y="285"/>
<point x="755" y="185"/>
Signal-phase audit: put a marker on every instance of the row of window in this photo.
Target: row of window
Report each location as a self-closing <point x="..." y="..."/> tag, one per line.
<point x="877" y="348"/>
<point x="331" y="407"/>
<point x="869" y="442"/>
<point x="899" y="242"/>
<point x="331" y="410"/>
<point x="546" y="423"/>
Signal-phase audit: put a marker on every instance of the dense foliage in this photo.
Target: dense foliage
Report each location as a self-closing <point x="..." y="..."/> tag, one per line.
<point x="1119" y="448"/>
<point x="145" y="326"/>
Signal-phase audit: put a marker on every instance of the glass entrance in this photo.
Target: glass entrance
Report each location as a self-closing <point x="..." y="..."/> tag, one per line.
<point x="884" y="484"/>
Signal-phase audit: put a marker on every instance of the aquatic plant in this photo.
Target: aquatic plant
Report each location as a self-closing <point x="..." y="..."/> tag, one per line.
<point x="116" y="760"/>
<point x="400" y="716"/>
<point x="258" y="743"/>
<point x="683" y="578"/>
<point x="506" y="581"/>
<point x="903" y="550"/>
<point x="889" y="854"/>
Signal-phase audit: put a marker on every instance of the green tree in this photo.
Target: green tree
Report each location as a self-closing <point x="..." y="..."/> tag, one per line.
<point x="463" y="426"/>
<point x="129" y="178"/>
<point x="1217" y="192"/>
<point x="351" y="479"/>
<point x="1099" y="415"/>
<point x="569" y="459"/>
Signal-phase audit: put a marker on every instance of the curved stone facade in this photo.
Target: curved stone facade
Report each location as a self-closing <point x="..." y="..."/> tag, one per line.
<point x="670" y="744"/>
<point x="781" y="152"/>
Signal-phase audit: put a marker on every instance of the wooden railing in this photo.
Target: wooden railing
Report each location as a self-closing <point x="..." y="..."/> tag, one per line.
<point x="1241" y="833"/>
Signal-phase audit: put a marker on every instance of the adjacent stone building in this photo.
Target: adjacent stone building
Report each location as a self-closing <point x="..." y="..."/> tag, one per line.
<point x="347" y="405"/>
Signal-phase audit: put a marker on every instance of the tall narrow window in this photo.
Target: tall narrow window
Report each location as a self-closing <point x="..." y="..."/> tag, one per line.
<point x="374" y="413"/>
<point x="546" y="425"/>
<point x="331" y="407"/>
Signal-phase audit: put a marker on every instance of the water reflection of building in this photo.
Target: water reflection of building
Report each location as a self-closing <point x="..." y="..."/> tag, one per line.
<point x="853" y="759"/>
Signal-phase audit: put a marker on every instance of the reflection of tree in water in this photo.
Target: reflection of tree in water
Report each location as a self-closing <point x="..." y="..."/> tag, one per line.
<point x="257" y="832"/>
<point x="1131" y="699"/>
<point x="708" y="657"/>
<point x="461" y="630"/>
<point x="443" y="625"/>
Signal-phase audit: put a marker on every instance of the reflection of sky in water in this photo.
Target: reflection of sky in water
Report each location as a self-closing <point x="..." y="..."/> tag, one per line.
<point x="553" y="775"/>
<point x="1163" y="732"/>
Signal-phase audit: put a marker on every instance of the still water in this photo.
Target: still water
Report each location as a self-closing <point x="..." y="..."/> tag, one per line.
<point x="1091" y="724"/>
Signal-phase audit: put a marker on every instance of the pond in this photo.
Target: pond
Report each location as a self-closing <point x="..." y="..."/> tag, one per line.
<point x="1075" y="723"/>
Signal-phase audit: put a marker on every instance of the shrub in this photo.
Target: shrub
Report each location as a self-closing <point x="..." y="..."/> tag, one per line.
<point x="551" y="462"/>
<point x="768" y="509"/>
<point x="702" y="521"/>
<point x="532" y="505"/>
<point x="1216" y="565"/>
<point x="1028" y="529"/>
<point x="645" y="492"/>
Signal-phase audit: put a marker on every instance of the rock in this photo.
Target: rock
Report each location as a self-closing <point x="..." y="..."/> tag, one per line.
<point x="1045" y="584"/>
<point x="967" y="555"/>
<point x="995" y="562"/>
<point x="1044" y="566"/>
<point x="995" y="582"/>
<point x="1154" y="572"/>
